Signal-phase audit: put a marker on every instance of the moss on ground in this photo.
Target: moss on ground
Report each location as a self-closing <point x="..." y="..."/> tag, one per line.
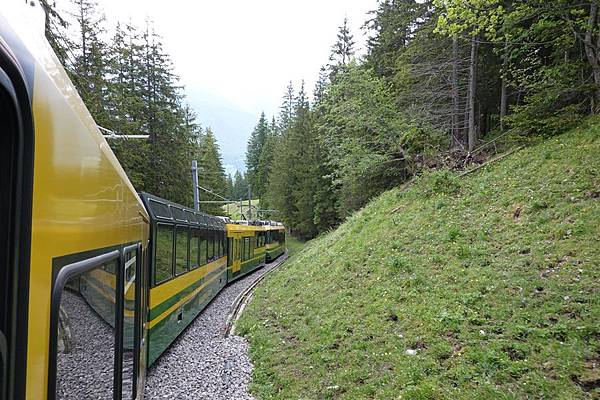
<point x="493" y="279"/>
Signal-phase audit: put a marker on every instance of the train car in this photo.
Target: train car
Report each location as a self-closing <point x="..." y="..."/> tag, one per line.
<point x="246" y="248"/>
<point x="275" y="240"/>
<point x="188" y="267"/>
<point x="68" y="213"/>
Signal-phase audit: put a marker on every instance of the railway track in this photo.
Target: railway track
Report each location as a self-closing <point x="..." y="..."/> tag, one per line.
<point x="208" y="361"/>
<point x="245" y="296"/>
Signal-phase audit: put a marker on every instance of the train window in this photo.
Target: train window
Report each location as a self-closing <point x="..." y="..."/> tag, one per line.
<point x="211" y="245"/>
<point x="221" y="239"/>
<point x="242" y="252"/>
<point x="203" y="247"/>
<point x="85" y="336"/>
<point x="163" y="264"/>
<point x="181" y="250"/>
<point x="194" y="248"/>
<point x="220" y="243"/>
<point x="229" y="251"/>
<point x="246" y="248"/>
<point x="160" y="209"/>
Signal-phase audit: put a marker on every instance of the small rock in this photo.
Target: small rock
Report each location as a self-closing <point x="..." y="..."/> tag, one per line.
<point x="482" y="332"/>
<point x="411" y="352"/>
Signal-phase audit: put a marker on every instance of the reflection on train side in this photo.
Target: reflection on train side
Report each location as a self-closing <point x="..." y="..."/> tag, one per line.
<point x="86" y="334"/>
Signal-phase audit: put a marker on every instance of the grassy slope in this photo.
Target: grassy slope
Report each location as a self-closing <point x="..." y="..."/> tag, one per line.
<point x="494" y="279"/>
<point x="293" y="245"/>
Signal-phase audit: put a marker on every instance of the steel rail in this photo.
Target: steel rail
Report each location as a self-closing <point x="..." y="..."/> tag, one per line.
<point x="244" y="297"/>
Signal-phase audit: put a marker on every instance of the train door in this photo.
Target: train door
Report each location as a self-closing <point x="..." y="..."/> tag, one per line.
<point x="16" y="175"/>
<point x="237" y="251"/>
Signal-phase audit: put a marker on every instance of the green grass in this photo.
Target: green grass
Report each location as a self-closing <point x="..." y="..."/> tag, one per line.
<point x="493" y="278"/>
<point x="293" y="245"/>
<point x="233" y="209"/>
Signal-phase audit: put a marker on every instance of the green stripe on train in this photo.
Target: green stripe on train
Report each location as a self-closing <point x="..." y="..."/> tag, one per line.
<point x="161" y="335"/>
<point x="165" y="305"/>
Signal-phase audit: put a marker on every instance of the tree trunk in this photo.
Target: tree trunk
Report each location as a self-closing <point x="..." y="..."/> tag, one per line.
<point x="503" y="90"/>
<point x="591" y="51"/>
<point x="472" y="136"/>
<point x="455" y="130"/>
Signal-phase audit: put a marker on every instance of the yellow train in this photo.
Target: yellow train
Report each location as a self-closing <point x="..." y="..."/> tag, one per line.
<point x="96" y="280"/>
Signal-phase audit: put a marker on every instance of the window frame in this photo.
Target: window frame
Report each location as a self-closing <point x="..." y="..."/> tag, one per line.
<point x="203" y="244"/>
<point x="193" y="230"/>
<point x="89" y="261"/>
<point x="187" y="252"/>
<point x="158" y="225"/>
<point x="210" y="254"/>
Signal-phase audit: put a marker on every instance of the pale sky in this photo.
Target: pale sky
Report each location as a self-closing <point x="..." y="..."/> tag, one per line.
<point x="246" y="52"/>
<point x="236" y="58"/>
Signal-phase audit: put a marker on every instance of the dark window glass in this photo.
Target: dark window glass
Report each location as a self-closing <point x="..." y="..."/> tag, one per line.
<point x="178" y="213"/>
<point x="203" y="247"/>
<point x="163" y="265"/>
<point x="159" y="209"/>
<point x="246" y="248"/>
<point x="211" y="245"/>
<point x="190" y="217"/>
<point x="229" y="251"/>
<point x="243" y="249"/>
<point x="221" y="237"/>
<point x="181" y="251"/>
<point x="194" y="248"/>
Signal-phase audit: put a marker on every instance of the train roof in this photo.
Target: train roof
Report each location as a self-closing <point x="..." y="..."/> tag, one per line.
<point x="166" y="211"/>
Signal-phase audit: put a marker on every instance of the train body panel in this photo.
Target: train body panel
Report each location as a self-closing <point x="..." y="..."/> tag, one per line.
<point x="275" y="241"/>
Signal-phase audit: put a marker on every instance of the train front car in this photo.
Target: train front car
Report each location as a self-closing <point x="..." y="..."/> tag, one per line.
<point x="188" y="267"/>
<point x="275" y="245"/>
<point x="73" y="234"/>
<point x="246" y="248"/>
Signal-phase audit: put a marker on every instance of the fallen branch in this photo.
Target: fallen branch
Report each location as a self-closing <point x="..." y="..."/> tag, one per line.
<point x="407" y="185"/>
<point x="500" y="157"/>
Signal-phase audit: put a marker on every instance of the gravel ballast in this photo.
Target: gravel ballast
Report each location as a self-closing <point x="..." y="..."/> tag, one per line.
<point x="201" y="363"/>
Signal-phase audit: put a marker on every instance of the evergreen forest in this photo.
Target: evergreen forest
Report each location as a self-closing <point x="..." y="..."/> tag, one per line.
<point x="443" y="84"/>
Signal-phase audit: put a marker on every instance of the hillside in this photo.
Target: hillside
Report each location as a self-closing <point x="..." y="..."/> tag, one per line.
<point x="485" y="286"/>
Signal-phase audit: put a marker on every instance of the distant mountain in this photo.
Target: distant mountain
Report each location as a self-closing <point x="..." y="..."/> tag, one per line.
<point x="231" y="126"/>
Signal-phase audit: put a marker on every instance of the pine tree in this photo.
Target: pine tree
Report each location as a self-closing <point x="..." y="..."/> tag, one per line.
<point x="302" y="138"/>
<point x="55" y="28"/>
<point x="286" y="110"/>
<point x="321" y="84"/>
<point x="229" y="193"/>
<point x="89" y="67"/>
<point x="125" y="105"/>
<point x="256" y="144"/>
<point x="211" y="174"/>
<point x="342" y="50"/>
<point x="169" y="153"/>
<point x="240" y="187"/>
